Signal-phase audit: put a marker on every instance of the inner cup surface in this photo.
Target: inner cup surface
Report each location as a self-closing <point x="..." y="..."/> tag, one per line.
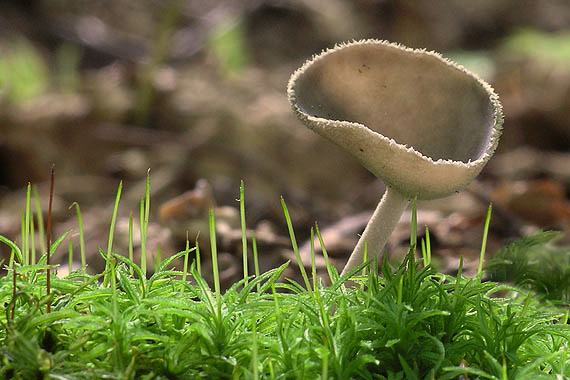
<point x="414" y="98"/>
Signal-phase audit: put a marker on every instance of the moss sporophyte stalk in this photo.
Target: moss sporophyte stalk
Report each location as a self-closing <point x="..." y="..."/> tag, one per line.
<point x="424" y="125"/>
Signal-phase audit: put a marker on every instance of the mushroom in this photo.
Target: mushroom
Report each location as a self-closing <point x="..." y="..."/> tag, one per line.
<point x="424" y="125"/>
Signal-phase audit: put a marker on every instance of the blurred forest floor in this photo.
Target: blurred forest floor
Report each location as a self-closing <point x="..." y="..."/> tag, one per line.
<point x="195" y="91"/>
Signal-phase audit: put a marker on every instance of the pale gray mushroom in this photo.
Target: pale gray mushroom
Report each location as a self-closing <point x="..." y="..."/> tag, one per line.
<point x="424" y="125"/>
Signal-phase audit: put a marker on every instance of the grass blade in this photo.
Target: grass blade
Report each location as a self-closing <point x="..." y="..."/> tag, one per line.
<point x="14" y="247"/>
<point x="39" y="219"/>
<point x="428" y="247"/>
<point x="414" y="225"/>
<point x="484" y="240"/>
<point x="144" y="219"/>
<point x="215" y="271"/>
<point x="243" y="230"/>
<point x="333" y="275"/>
<point x="185" y="267"/>
<point x="112" y="234"/>
<point x="294" y="245"/>
<point x="130" y="248"/>
<point x="70" y="255"/>
<point x="26" y="227"/>
<point x="81" y="237"/>
<point x="49" y="227"/>
<point x="255" y="258"/>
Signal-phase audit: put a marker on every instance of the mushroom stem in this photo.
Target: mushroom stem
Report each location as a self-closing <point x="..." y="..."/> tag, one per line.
<point x="379" y="228"/>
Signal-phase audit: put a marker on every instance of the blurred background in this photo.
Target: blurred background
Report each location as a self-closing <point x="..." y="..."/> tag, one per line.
<point x="195" y="90"/>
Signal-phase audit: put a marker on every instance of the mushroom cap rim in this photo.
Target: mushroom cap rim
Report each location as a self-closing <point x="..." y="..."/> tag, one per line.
<point x="493" y="97"/>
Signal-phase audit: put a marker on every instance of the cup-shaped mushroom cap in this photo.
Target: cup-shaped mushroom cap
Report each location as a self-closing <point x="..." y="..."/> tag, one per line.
<point x="423" y="124"/>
